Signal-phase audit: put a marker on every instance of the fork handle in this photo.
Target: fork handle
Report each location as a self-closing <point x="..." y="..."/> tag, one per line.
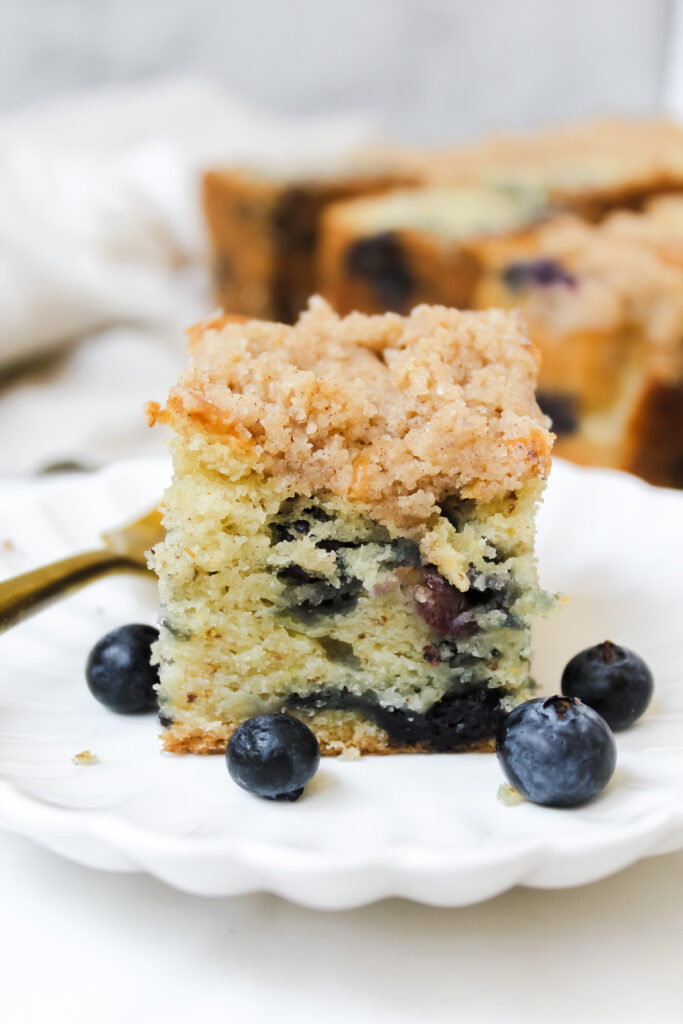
<point x="24" y="595"/>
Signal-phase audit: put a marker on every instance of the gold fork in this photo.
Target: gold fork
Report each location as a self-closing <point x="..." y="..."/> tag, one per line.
<point x="124" y="550"/>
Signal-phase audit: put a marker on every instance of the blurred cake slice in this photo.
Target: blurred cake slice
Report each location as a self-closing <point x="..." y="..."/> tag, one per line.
<point x="659" y="226"/>
<point x="350" y="529"/>
<point x="412" y="246"/>
<point x="589" y="168"/>
<point x="263" y="230"/>
<point x="604" y="306"/>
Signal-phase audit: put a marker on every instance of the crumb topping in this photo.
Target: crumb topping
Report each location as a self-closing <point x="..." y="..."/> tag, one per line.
<point x="660" y="225"/>
<point x="618" y="283"/>
<point x="605" y="154"/>
<point x="392" y="412"/>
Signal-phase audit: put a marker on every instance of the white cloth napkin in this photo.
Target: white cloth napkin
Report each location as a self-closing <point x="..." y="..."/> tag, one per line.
<point x="100" y="228"/>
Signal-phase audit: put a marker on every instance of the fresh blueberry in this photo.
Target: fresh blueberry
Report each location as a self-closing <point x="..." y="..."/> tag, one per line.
<point x="556" y="751"/>
<point x="273" y="756"/>
<point x="118" y="670"/>
<point x="612" y="680"/>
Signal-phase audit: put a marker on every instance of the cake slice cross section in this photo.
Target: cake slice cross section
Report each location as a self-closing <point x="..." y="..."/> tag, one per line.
<point x="350" y="529"/>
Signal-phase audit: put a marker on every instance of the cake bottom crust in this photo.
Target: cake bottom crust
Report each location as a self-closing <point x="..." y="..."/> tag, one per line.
<point x="339" y="733"/>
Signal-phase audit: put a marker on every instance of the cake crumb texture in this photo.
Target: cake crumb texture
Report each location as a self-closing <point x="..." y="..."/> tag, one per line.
<point x="85" y="758"/>
<point x="391" y="412"/>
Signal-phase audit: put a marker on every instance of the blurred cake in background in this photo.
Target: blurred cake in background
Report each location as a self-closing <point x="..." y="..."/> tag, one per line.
<point x="263" y="231"/>
<point x="604" y="305"/>
<point x="580" y="227"/>
<point x="588" y="168"/>
<point x="660" y="226"/>
<point x="414" y="245"/>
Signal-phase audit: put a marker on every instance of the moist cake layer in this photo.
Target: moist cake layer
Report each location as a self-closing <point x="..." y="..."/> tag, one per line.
<point x="388" y="615"/>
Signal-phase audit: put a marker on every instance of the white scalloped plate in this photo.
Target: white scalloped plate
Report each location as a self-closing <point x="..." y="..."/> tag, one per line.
<point x="425" y="827"/>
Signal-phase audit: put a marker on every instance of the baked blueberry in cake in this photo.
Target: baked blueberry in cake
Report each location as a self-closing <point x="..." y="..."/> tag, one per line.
<point x="604" y="306"/>
<point x="350" y="529"/>
<point x="411" y="246"/>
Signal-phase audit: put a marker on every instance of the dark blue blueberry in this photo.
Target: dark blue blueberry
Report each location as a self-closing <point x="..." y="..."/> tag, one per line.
<point x="279" y="533"/>
<point x="118" y="670"/>
<point x="612" y="680"/>
<point x="459" y="720"/>
<point x="455" y="722"/>
<point x="314" y="596"/>
<point x="326" y="599"/>
<point x="297" y="574"/>
<point x="318" y="513"/>
<point x="329" y="544"/>
<point x="273" y="756"/>
<point x="380" y="261"/>
<point x="284" y="528"/>
<point x="563" y="410"/>
<point x="527" y="273"/>
<point x="556" y="751"/>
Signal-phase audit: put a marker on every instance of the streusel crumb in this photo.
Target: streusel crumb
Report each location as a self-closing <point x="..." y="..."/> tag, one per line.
<point x="391" y="412"/>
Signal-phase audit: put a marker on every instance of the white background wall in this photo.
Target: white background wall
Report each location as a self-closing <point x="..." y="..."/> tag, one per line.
<point x="430" y="68"/>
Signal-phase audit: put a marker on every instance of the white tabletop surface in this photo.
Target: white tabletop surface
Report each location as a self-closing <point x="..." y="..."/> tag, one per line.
<point x="81" y="945"/>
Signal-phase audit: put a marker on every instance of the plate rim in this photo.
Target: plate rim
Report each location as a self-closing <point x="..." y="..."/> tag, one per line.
<point x="323" y="878"/>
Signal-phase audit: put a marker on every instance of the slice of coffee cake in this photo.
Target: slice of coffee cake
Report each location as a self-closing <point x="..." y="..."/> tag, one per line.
<point x="604" y="306"/>
<point x="350" y="529"/>
<point x="263" y="229"/>
<point x="410" y="246"/>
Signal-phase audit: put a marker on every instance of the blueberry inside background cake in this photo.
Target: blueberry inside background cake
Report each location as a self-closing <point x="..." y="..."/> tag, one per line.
<point x="350" y="529"/>
<point x="604" y="305"/>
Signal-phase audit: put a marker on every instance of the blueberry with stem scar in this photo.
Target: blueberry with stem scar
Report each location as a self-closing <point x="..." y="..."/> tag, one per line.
<point x="556" y="751"/>
<point x="612" y="680"/>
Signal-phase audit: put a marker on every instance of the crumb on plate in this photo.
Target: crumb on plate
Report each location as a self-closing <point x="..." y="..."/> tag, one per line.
<point x="508" y="795"/>
<point x="86" y="757"/>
